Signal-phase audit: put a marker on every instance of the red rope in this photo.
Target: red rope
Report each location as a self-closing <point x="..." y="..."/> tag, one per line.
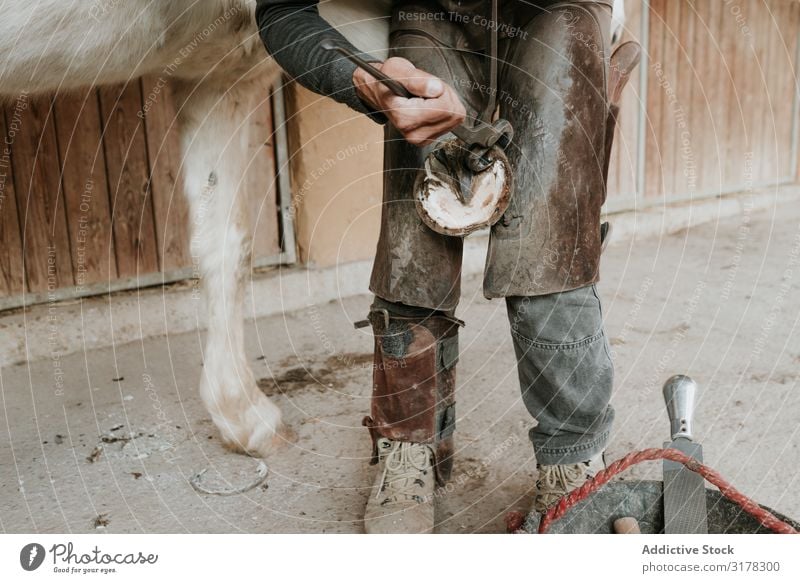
<point x="764" y="517"/>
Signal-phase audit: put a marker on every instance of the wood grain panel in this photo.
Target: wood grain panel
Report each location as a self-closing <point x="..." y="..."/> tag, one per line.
<point x="128" y="178"/>
<point x="741" y="139"/>
<point x="623" y="167"/>
<point x="95" y="186"/>
<point x="794" y="46"/>
<point x="759" y="103"/>
<point x="783" y="35"/>
<point x="688" y="141"/>
<point x="733" y="82"/>
<point x="12" y="279"/>
<point x="731" y="66"/>
<point x="45" y="239"/>
<point x="260" y="184"/>
<point x="164" y="151"/>
<point x="85" y="187"/>
<point x="631" y="108"/>
<point x="673" y="107"/>
<point x="709" y="82"/>
<point x="654" y="162"/>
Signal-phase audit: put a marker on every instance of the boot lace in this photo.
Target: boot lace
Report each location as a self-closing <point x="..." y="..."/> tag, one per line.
<point x="404" y="465"/>
<point x="556" y="480"/>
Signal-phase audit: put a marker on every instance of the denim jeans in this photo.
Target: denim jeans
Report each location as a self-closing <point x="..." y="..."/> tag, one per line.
<point x="565" y="372"/>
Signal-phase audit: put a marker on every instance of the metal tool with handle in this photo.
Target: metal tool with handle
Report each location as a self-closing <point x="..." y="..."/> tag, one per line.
<point x="395" y="86"/>
<point x="684" y="490"/>
<point x="478" y="140"/>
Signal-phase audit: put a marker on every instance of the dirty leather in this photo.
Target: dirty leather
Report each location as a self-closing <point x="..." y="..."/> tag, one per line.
<point x="413" y="393"/>
<point x="552" y="87"/>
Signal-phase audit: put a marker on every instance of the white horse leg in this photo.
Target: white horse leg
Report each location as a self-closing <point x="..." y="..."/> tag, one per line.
<point x="215" y="144"/>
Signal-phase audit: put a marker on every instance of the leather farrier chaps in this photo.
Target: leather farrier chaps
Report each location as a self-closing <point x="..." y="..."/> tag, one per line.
<point x="551" y="84"/>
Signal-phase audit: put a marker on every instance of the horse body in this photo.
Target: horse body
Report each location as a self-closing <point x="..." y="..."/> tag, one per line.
<point x="58" y="44"/>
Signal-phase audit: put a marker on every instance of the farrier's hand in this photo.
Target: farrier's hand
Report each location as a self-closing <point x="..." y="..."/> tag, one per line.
<point x="422" y="119"/>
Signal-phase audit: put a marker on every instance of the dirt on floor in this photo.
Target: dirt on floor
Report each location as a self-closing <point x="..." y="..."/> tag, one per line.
<point x="108" y="441"/>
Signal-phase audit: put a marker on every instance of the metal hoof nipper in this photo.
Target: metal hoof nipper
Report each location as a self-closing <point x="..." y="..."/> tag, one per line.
<point x="467" y="182"/>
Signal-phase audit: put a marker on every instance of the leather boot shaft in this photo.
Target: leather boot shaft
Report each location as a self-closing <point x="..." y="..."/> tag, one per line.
<point x="413" y="390"/>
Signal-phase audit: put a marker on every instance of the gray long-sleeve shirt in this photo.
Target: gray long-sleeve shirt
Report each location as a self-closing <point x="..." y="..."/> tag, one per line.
<point x="292" y="33"/>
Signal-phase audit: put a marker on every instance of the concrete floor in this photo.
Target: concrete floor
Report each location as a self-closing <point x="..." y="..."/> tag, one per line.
<point x="718" y="302"/>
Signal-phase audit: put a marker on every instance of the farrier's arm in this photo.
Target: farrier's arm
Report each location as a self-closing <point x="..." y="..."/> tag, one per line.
<point x="292" y="33"/>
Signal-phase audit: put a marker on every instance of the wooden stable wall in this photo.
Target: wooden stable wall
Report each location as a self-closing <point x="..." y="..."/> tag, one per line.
<point x="715" y="108"/>
<point x="91" y="196"/>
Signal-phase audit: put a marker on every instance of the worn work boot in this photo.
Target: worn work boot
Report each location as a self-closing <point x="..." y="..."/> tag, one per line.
<point x="402" y="500"/>
<point x="557" y="480"/>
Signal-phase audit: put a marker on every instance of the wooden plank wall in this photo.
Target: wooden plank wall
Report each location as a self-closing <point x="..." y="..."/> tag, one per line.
<point x="90" y="193"/>
<point x="623" y="167"/>
<point x="719" y="103"/>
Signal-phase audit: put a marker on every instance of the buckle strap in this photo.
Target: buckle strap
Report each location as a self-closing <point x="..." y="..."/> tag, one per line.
<point x="369" y="423"/>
